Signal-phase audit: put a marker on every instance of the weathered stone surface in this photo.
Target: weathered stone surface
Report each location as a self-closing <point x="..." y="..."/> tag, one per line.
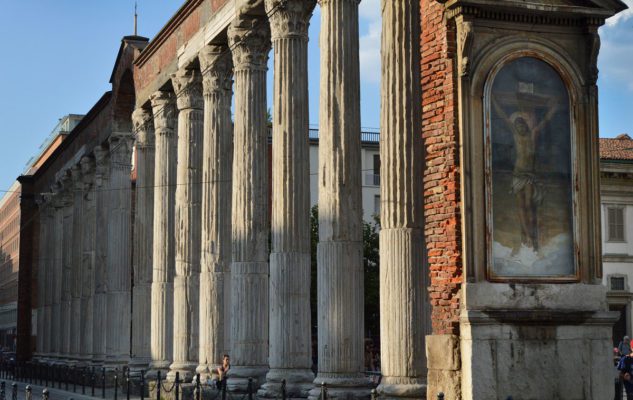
<point x="290" y="345"/>
<point x="75" y="263"/>
<point x="339" y="252"/>
<point x="88" y="234"/>
<point x="163" y="249"/>
<point x="102" y="181"/>
<point x="143" y="237"/>
<point x="66" y="235"/>
<point x="217" y="71"/>
<point x="188" y="88"/>
<point x="119" y="260"/>
<point x="443" y="359"/>
<point x="249" y="40"/>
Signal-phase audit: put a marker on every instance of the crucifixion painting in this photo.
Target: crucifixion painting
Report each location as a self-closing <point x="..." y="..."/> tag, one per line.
<point x="531" y="172"/>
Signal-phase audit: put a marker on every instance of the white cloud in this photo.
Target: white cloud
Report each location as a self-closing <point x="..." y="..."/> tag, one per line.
<point x="623" y="16"/>
<point x="616" y="56"/>
<point x="369" y="55"/>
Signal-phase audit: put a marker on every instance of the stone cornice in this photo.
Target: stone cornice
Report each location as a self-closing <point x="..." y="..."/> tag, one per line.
<point x="164" y="110"/>
<point x="289" y="18"/>
<point x="217" y="69"/>
<point x="188" y="88"/>
<point x="249" y="39"/>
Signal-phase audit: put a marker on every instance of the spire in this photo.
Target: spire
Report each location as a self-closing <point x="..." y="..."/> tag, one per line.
<point x="135" y="19"/>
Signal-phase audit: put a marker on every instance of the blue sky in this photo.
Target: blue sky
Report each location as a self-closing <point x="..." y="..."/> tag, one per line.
<point x="58" y="56"/>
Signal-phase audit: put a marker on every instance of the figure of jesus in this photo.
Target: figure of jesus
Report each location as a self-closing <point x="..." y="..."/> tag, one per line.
<point x="525" y="187"/>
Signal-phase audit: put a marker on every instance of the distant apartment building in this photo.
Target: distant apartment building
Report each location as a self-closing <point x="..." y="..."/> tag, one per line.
<point x="10" y="222"/>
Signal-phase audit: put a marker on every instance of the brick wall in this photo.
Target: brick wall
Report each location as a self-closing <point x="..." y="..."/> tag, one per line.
<point x="442" y="172"/>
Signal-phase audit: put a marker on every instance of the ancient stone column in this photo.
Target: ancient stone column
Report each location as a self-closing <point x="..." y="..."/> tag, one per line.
<point x="66" y="260"/>
<point x="188" y="88"/>
<point x="217" y="68"/>
<point x="402" y="273"/>
<point x="340" y="249"/>
<point x="88" y="234"/>
<point x="249" y="39"/>
<point x="57" y="271"/>
<point x="43" y="269"/>
<point x="102" y="194"/>
<point x="290" y="349"/>
<point x="143" y="234"/>
<point x="163" y="250"/>
<point x="117" y="325"/>
<point x="48" y="220"/>
<point x="75" y="263"/>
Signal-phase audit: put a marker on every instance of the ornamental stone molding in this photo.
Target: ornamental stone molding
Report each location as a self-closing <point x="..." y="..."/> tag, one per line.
<point x="249" y="39"/>
<point x="143" y="123"/>
<point x="289" y="18"/>
<point x="217" y="68"/>
<point x="188" y="88"/>
<point x="164" y="110"/>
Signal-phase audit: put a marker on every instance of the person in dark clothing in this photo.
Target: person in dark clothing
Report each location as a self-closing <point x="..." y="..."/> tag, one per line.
<point x="223" y="370"/>
<point x="624" y="348"/>
<point x="625" y="366"/>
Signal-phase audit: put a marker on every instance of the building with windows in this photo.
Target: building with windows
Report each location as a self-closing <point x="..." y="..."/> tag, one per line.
<point x="616" y="167"/>
<point x="10" y="220"/>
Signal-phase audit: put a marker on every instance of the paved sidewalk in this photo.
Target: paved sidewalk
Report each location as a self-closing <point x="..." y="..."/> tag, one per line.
<point x="61" y="394"/>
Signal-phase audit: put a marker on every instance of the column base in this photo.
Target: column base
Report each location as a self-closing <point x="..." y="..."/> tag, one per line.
<point x="299" y="382"/>
<point x="207" y="372"/>
<point x="155" y="367"/>
<point x="185" y="369"/>
<point x="239" y="376"/>
<point x="139" y="364"/>
<point x="401" y="388"/>
<point x="341" y="386"/>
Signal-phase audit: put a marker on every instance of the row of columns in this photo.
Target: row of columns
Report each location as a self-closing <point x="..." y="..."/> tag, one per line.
<point x="83" y="274"/>
<point x="206" y="281"/>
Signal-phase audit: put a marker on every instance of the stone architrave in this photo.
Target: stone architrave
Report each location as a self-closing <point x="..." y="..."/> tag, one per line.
<point x="215" y="258"/>
<point x="290" y="349"/>
<point x="163" y="251"/>
<point x="66" y="261"/>
<point x="340" y="249"/>
<point x="118" y="279"/>
<point x="56" y="290"/>
<point x="143" y="234"/>
<point x="102" y="194"/>
<point x="188" y="88"/>
<point x="75" y="263"/>
<point x="88" y="234"/>
<point x="249" y="39"/>
<point x="402" y="276"/>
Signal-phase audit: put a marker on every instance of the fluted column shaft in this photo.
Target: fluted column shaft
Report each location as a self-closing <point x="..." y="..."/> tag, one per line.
<point x="49" y="276"/>
<point x="290" y="346"/>
<point x="340" y="249"/>
<point x="87" y="276"/>
<point x="402" y="276"/>
<point x="42" y="278"/>
<point x="188" y="87"/>
<point x="143" y="238"/>
<point x="102" y="194"/>
<point x="56" y="334"/>
<point x="67" y="269"/>
<point x="217" y="69"/>
<point x="163" y="250"/>
<point x="118" y="270"/>
<point x="249" y="40"/>
<point x="75" y="263"/>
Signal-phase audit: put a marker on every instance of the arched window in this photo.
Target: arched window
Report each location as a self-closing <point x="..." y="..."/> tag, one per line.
<point x="530" y="173"/>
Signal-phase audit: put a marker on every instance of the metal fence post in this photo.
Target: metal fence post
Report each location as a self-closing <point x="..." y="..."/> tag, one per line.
<point x="283" y="389"/>
<point x="127" y="384"/>
<point x="250" y="388"/>
<point x="103" y="383"/>
<point x="374" y="394"/>
<point x="45" y="394"/>
<point x="142" y="385"/>
<point x="66" y="376"/>
<point x="116" y="384"/>
<point x="83" y="380"/>
<point x="440" y="396"/>
<point x="74" y="378"/>
<point x="14" y="391"/>
<point x="323" y="391"/>
<point x="177" y="384"/>
<point x="198" y="387"/>
<point x="92" y="382"/>
<point x="158" y="386"/>
<point x="29" y="393"/>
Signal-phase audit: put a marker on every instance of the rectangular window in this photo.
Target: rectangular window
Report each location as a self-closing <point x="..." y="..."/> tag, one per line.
<point x="615" y="224"/>
<point x="377" y="169"/>
<point x="617" y="282"/>
<point x="377" y="205"/>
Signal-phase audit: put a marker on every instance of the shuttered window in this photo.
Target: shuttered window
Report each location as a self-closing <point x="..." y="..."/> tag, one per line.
<point x="615" y="224"/>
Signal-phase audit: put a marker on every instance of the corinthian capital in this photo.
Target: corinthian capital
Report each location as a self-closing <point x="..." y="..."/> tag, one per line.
<point x="164" y="110"/>
<point x="75" y="173"/>
<point x="87" y="169"/>
<point x="249" y="38"/>
<point x="289" y="18"/>
<point x="121" y="151"/>
<point x="188" y="87"/>
<point x="143" y="127"/>
<point x="217" y="68"/>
